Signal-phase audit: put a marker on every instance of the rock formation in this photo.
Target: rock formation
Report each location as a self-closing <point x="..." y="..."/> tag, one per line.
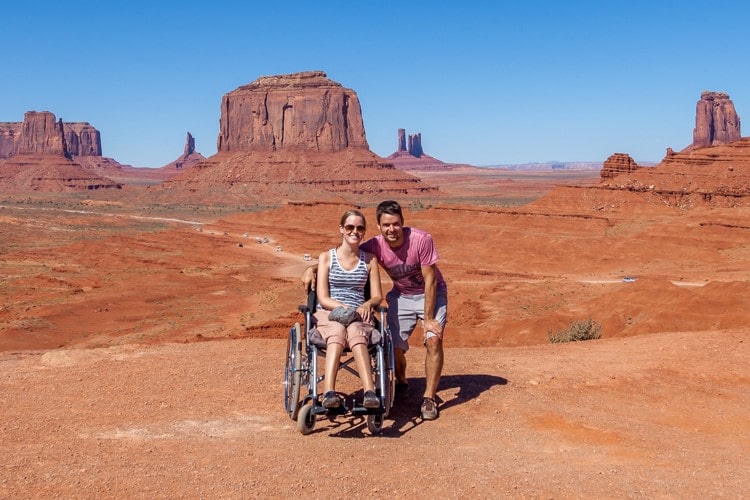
<point x="188" y="158"/>
<point x="41" y="160"/>
<point x="716" y="121"/>
<point x="294" y="137"/>
<point x="412" y="156"/>
<point x="714" y="171"/>
<point x="41" y="134"/>
<point x="80" y="138"/>
<point x="300" y="111"/>
<point x="189" y="145"/>
<point x="415" y="145"/>
<point x="401" y="141"/>
<point x="616" y="164"/>
<point x="9" y="134"/>
<point x="714" y="176"/>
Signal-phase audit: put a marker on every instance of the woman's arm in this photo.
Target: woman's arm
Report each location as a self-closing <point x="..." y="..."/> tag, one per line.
<point x="376" y="291"/>
<point x="321" y="288"/>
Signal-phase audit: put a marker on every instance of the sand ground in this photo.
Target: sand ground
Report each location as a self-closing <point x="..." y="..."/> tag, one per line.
<point x="142" y="353"/>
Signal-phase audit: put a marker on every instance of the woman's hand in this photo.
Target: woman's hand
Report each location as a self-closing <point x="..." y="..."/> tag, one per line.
<point x="365" y="312"/>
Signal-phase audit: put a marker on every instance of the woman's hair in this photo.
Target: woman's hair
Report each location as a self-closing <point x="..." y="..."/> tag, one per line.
<point x="349" y="213"/>
<point x="389" y="207"/>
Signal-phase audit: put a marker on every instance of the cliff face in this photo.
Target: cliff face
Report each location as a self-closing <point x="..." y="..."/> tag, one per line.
<point x="82" y="139"/>
<point x="9" y="133"/>
<point x="40" y="134"/>
<point x="716" y="121"/>
<point x="300" y="111"/>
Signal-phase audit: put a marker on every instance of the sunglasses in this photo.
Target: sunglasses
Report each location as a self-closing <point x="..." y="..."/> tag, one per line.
<point x="351" y="227"/>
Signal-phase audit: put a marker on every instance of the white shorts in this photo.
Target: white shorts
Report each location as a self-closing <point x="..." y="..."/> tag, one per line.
<point x="405" y="310"/>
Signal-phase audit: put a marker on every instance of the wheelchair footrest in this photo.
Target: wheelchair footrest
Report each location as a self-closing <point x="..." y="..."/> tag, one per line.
<point x="361" y="410"/>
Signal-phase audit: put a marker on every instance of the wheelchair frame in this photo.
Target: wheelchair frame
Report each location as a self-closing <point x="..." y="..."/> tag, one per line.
<point x="302" y="370"/>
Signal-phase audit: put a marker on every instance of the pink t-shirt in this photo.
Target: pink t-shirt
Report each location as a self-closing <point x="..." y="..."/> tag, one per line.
<point x="404" y="264"/>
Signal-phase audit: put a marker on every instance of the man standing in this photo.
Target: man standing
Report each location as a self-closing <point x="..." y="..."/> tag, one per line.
<point x="419" y="292"/>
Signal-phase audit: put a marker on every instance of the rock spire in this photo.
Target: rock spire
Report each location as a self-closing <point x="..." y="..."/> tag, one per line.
<point x="716" y="121"/>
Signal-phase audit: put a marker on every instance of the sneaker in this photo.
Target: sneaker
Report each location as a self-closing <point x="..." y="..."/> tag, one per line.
<point x="371" y="400"/>
<point x="402" y="391"/>
<point x="429" y="409"/>
<point x="331" y="400"/>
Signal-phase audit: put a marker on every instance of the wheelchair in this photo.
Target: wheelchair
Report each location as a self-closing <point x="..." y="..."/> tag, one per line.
<point x="305" y="346"/>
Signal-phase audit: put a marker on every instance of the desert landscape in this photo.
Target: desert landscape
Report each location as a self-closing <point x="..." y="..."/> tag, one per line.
<point x="145" y="314"/>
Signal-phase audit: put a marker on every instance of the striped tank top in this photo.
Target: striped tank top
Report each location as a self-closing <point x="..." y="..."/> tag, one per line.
<point x="348" y="286"/>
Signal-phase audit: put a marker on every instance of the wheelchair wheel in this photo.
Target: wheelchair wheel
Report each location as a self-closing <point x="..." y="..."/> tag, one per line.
<point x="389" y="388"/>
<point x="390" y="391"/>
<point x="292" y="373"/>
<point x="306" y="419"/>
<point x="375" y="423"/>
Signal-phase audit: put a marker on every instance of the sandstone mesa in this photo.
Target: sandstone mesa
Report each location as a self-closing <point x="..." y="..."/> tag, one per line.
<point x="292" y="137"/>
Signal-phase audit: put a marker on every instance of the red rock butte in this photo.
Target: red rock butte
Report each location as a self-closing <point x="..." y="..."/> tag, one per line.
<point x="38" y="157"/>
<point x="716" y="120"/>
<point x="297" y="136"/>
<point x="303" y="111"/>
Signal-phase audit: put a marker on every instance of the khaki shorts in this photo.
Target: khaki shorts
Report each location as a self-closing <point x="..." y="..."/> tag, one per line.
<point x="357" y="333"/>
<point x="405" y="310"/>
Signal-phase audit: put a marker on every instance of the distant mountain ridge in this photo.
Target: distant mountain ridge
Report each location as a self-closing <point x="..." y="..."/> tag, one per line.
<point x="559" y="165"/>
<point x="550" y="165"/>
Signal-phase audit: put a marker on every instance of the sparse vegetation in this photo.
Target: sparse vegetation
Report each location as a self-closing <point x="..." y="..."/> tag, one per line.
<point x="577" y="331"/>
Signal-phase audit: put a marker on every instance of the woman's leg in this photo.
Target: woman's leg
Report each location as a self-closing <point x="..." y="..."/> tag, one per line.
<point x="335" y="336"/>
<point x="364" y="367"/>
<point x="333" y="356"/>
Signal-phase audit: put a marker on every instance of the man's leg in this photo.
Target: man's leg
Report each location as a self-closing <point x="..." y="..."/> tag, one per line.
<point x="400" y="368"/>
<point x="433" y="363"/>
<point x="401" y="322"/>
<point x="433" y="366"/>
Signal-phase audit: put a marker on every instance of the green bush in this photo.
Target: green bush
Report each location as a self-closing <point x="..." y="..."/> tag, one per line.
<point x="577" y="331"/>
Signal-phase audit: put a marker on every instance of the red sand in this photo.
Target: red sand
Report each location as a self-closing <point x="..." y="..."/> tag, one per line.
<point x="655" y="408"/>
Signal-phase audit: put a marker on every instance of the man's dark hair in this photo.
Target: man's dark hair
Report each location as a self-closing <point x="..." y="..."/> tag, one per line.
<point x="389" y="207"/>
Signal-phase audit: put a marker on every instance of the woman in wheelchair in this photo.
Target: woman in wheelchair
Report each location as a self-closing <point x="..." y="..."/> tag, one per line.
<point x="343" y="272"/>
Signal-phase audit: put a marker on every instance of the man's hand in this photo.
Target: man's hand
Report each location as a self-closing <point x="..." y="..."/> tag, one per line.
<point x="308" y="278"/>
<point x="434" y="326"/>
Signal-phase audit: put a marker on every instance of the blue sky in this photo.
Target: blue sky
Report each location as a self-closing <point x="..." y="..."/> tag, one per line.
<point x="495" y="82"/>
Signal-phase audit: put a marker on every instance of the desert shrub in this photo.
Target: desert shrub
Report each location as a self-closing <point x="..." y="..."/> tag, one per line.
<point x="577" y="331"/>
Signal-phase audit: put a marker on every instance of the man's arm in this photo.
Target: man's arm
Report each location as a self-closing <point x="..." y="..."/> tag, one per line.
<point x="430" y="298"/>
<point x="308" y="277"/>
